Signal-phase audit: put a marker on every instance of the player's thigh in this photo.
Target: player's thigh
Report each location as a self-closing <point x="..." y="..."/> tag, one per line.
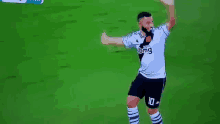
<point x="154" y="91"/>
<point x="136" y="91"/>
<point x="137" y="87"/>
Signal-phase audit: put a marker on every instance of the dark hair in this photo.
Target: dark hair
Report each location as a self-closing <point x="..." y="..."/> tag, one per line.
<point x="143" y="14"/>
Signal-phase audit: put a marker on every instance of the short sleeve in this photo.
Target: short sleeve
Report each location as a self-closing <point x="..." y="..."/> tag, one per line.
<point x="129" y="40"/>
<point x="164" y="27"/>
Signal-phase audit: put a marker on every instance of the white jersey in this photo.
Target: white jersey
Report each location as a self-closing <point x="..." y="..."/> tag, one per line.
<point x="152" y="55"/>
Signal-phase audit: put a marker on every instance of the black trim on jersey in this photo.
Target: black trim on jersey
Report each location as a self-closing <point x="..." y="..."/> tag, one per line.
<point x="141" y="56"/>
<point x="145" y="43"/>
<point x="164" y="31"/>
<point x="141" y="46"/>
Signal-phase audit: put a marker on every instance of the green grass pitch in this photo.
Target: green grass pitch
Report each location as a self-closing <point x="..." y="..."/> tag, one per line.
<point x="54" y="69"/>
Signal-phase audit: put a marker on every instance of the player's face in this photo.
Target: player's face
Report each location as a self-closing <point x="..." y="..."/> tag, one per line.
<point x="146" y="22"/>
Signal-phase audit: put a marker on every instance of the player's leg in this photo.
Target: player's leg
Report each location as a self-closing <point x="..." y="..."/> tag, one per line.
<point x="132" y="101"/>
<point x="153" y="97"/>
<point x="133" y="113"/>
<point x="135" y="93"/>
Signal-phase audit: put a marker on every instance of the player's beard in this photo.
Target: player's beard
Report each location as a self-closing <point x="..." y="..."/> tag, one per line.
<point x="148" y="33"/>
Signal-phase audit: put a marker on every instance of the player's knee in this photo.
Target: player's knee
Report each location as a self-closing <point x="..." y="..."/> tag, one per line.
<point x="152" y="111"/>
<point x="132" y="101"/>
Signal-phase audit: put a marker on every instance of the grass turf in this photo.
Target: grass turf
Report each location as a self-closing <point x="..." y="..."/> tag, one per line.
<point x="54" y="69"/>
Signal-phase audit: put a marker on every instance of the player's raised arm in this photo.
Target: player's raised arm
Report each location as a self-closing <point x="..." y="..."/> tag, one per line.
<point x="169" y="4"/>
<point x="106" y="40"/>
<point x="127" y="41"/>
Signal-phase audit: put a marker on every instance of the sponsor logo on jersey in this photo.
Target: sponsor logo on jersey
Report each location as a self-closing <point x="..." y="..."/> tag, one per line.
<point x="146" y="49"/>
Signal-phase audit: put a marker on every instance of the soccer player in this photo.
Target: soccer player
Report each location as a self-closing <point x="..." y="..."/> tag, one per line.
<point x="150" y="44"/>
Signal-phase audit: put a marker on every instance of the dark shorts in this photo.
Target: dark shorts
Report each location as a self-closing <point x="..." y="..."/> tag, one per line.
<point x="151" y="89"/>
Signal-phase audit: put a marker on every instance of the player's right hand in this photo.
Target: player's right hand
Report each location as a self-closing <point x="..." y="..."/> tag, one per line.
<point x="104" y="39"/>
<point x="167" y="2"/>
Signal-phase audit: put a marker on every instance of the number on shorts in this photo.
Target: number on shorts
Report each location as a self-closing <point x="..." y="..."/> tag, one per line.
<point x="151" y="101"/>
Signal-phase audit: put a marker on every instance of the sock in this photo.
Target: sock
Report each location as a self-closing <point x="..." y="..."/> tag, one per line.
<point x="133" y="115"/>
<point x="156" y="118"/>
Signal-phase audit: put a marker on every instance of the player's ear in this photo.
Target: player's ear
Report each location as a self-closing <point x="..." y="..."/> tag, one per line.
<point x="139" y="24"/>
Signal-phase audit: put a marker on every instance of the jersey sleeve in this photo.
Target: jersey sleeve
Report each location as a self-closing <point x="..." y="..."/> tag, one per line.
<point x="164" y="27"/>
<point x="129" y="40"/>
